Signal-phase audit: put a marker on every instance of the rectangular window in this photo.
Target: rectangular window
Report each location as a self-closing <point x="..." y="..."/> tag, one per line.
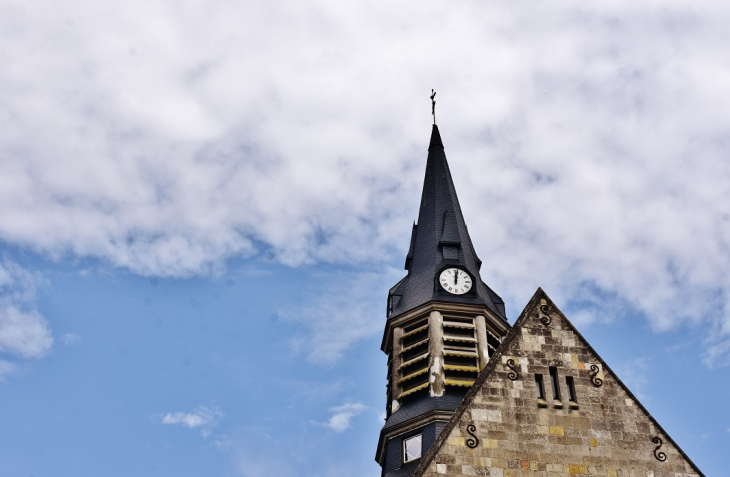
<point x="571" y="388"/>
<point x="555" y="383"/>
<point x="540" y="387"/>
<point x="412" y="448"/>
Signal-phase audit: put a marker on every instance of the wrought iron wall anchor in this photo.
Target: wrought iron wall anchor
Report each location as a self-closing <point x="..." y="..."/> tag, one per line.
<point x="473" y="441"/>
<point x="597" y="382"/>
<point x="660" y="456"/>
<point x="545" y="315"/>
<point x="512" y="375"/>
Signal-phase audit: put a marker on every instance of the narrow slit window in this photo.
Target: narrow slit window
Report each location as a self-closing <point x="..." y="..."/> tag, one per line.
<point x="540" y="387"/>
<point x="555" y="383"/>
<point x="571" y="388"/>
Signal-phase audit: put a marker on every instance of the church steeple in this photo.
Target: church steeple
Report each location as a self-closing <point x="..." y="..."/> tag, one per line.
<point x="443" y="323"/>
<point x="440" y="239"/>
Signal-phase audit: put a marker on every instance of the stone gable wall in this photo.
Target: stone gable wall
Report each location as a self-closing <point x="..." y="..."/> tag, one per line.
<point x="608" y="434"/>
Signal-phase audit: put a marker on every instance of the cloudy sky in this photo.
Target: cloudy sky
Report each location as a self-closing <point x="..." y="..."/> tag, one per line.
<point x="203" y="204"/>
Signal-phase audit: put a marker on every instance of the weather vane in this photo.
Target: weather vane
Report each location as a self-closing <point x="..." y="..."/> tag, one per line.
<point x="433" y="105"/>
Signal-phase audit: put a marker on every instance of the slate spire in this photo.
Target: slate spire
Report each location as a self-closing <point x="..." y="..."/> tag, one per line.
<point x="439" y="239"/>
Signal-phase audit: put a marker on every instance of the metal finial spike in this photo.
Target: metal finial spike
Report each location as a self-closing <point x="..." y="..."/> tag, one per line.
<point x="433" y="105"/>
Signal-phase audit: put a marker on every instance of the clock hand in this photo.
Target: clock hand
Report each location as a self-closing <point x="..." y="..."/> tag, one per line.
<point x="456" y="277"/>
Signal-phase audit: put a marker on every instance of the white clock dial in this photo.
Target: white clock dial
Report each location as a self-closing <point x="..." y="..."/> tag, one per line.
<point x="455" y="281"/>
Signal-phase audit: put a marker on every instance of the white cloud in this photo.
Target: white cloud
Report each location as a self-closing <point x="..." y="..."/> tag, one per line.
<point x="633" y="373"/>
<point x="588" y="142"/>
<point x="339" y="314"/>
<point x="7" y="369"/>
<point x="24" y="333"/>
<point x="204" y="417"/>
<point x="342" y="415"/>
<point x="223" y="443"/>
<point x="70" y="339"/>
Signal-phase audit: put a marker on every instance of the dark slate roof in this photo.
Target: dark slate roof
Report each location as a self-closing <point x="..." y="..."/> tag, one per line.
<point x="422" y="403"/>
<point x="406" y="470"/>
<point x="440" y="224"/>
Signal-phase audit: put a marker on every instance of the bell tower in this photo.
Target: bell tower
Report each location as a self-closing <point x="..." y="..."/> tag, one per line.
<point x="443" y="324"/>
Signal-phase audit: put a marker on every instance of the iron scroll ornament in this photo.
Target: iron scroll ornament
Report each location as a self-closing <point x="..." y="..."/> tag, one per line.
<point x="660" y="456"/>
<point x="545" y="310"/>
<point x="473" y="441"/>
<point x="512" y="375"/>
<point x="597" y="382"/>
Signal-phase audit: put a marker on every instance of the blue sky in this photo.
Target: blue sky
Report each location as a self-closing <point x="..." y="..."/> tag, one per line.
<point x="203" y="204"/>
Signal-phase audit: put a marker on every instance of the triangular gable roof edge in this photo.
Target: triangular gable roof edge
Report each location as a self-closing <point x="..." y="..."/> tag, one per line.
<point x="497" y="358"/>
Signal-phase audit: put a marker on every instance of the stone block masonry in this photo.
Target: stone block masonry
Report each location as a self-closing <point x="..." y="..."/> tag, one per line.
<point x="583" y="422"/>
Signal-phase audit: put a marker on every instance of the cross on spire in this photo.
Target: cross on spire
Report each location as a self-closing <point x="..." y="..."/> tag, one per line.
<point x="433" y="105"/>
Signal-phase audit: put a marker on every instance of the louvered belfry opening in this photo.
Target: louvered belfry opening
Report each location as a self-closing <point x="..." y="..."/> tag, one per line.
<point x="461" y="355"/>
<point x="457" y="350"/>
<point x="413" y="370"/>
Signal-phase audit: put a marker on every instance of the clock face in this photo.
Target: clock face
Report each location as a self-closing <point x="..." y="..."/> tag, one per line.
<point x="455" y="281"/>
